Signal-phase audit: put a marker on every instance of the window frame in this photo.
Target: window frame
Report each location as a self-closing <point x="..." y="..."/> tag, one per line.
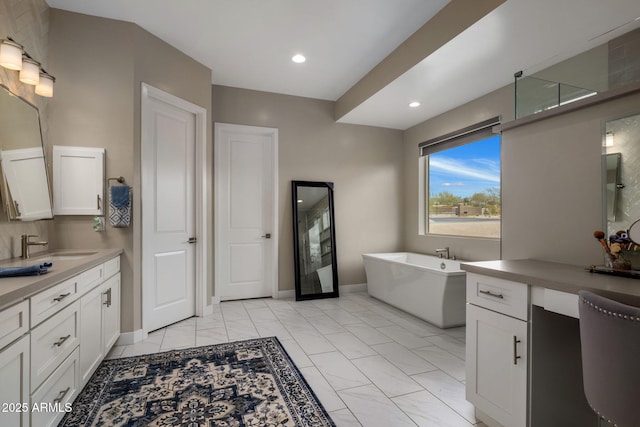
<point x="474" y="133"/>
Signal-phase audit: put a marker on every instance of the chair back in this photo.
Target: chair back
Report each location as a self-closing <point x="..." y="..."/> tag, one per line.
<point x="610" y="344"/>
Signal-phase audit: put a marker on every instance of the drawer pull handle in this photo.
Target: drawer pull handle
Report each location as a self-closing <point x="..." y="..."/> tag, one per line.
<point x="61" y="341"/>
<point x="61" y="395"/>
<point x="516" y="341"/>
<point x="491" y="294"/>
<point x="61" y="297"/>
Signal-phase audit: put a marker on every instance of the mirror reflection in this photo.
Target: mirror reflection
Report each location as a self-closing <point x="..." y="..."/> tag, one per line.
<point x="622" y="152"/>
<point x="314" y="240"/>
<point x="25" y="186"/>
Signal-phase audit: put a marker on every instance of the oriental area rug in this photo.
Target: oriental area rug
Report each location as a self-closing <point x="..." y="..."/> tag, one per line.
<point x="244" y="383"/>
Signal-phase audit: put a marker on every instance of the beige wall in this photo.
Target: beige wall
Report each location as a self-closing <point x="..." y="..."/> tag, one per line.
<point x="27" y="22"/>
<point x="365" y="164"/>
<point x="551" y="182"/>
<point x="497" y="103"/>
<point x="552" y="185"/>
<point x="100" y="64"/>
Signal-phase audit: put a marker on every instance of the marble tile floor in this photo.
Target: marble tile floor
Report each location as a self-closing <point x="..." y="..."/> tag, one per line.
<point x="370" y="364"/>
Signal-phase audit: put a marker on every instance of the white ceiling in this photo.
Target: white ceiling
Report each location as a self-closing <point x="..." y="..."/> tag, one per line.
<point x="249" y="43"/>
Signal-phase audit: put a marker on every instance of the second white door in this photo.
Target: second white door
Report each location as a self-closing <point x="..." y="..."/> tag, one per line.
<point x="246" y="229"/>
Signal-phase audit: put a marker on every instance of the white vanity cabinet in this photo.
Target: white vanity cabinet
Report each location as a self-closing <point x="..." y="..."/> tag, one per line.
<point x="78" y="180"/>
<point x="497" y="348"/>
<point x="51" y="343"/>
<point x="14" y="380"/>
<point x="100" y="324"/>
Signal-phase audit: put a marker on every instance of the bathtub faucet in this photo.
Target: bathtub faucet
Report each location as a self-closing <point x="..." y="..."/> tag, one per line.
<point x="443" y="253"/>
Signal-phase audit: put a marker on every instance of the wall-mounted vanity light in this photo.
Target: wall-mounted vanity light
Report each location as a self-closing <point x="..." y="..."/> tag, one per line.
<point x="14" y="57"/>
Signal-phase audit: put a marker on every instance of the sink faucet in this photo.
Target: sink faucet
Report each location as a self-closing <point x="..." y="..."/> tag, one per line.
<point x="26" y="243"/>
<point x="443" y="253"/>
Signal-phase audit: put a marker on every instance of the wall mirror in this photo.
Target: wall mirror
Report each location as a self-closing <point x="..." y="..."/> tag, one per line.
<point x="621" y="201"/>
<point x="25" y="184"/>
<point x="316" y="272"/>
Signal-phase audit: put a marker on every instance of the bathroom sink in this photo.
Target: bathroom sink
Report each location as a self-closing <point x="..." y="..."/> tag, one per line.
<point x="67" y="256"/>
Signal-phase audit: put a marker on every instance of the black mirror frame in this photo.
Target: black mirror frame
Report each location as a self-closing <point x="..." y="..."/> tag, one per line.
<point x="296" y="248"/>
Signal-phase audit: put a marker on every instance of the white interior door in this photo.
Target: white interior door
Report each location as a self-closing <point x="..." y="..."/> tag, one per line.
<point x="246" y="201"/>
<point x="168" y="213"/>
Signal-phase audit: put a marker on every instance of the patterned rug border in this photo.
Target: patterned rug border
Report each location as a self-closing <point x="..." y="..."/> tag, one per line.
<point x="114" y="364"/>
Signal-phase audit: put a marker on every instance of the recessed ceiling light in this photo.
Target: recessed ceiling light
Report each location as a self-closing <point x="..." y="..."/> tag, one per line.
<point x="298" y="59"/>
<point x="300" y="201"/>
<point x="414" y="104"/>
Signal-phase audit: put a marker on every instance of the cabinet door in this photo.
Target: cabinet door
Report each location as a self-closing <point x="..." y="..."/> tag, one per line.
<point x="26" y="176"/>
<point x="496" y="380"/>
<point x="14" y="381"/>
<point x="78" y="181"/>
<point x="91" y="348"/>
<point x="111" y="312"/>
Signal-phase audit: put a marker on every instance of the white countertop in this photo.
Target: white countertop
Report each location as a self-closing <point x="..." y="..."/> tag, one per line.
<point x="560" y="277"/>
<point x="16" y="289"/>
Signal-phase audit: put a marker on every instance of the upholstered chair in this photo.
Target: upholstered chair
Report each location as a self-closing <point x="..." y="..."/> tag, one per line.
<point x="610" y="343"/>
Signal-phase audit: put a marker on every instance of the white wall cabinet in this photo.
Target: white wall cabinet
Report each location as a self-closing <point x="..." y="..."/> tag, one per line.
<point x="47" y="361"/>
<point x="497" y="349"/>
<point x="78" y="180"/>
<point x="26" y="176"/>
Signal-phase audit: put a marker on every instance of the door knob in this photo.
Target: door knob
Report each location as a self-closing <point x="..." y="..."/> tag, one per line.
<point x="266" y="236"/>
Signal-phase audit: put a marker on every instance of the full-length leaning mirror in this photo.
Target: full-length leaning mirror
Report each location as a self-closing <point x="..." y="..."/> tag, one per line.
<point x="316" y="272"/>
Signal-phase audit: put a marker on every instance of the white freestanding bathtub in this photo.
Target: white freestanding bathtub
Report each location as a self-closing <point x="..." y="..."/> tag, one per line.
<point x="428" y="287"/>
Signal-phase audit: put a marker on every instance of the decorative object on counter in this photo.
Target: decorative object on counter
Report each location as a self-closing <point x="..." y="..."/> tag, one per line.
<point x="30" y="270"/>
<point x="98" y="223"/>
<point x="613" y="256"/>
<point x="119" y="204"/>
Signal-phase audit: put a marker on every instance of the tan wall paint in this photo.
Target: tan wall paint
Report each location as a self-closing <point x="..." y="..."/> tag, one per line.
<point x="552" y="185"/>
<point x="551" y="182"/>
<point x="100" y="64"/>
<point x="497" y="103"/>
<point x="27" y="22"/>
<point x="365" y="163"/>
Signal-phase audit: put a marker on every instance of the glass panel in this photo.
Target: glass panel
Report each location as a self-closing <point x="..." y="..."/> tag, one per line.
<point x="464" y="190"/>
<point x="534" y="95"/>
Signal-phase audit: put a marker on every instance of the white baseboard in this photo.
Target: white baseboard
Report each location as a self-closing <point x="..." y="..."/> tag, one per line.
<point x="128" y="338"/>
<point x="356" y="287"/>
<point x="286" y="294"/>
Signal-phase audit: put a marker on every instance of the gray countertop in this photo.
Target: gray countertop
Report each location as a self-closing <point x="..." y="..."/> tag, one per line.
<point x="561" y="277"/>
<point x="16" y="289"/>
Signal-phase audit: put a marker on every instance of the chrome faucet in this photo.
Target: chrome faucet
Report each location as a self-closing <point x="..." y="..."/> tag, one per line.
<point x="443" y="253"/>
<point x="26" y="243"/>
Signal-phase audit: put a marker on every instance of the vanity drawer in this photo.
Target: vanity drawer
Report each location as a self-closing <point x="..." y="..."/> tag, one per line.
<point x="111" y="267"/>
<point x="14" y="322"/>
<point x="52" y="342"/>
<point x="57" y="393"/>
<point x="502" y="296"/>
<point x="90" y="279"/>
<point x="50" y="301"/>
